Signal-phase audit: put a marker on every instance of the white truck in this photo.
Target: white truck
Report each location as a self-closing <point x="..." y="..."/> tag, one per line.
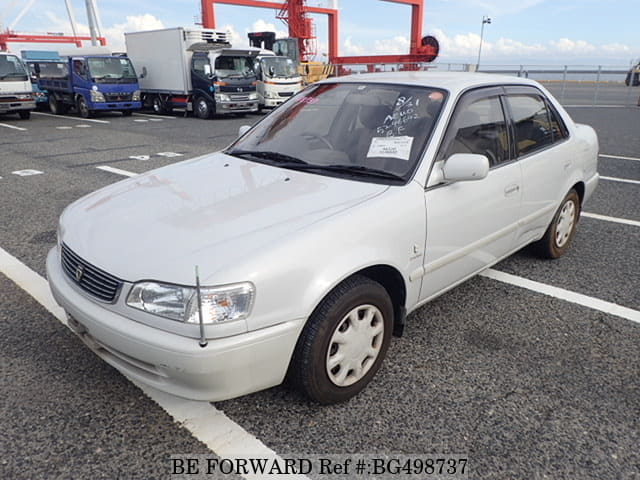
<point x="16" y="94"/>
<point x="278" y="79"/>
<point x="194" y="70"/>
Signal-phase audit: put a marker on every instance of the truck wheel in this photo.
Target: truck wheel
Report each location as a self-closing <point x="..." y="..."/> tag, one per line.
<point x="83" y="108"/>
<point x="159" y="106"/>
<point x="202" y="108"/>
<point x="344" y="341"/>
<point x="24" y="114"/>
<point x="127" y="113"/>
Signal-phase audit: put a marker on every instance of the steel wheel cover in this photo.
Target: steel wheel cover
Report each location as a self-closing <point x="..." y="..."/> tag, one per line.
<point x="566" y="221"/>
<point x="355" y="345"/>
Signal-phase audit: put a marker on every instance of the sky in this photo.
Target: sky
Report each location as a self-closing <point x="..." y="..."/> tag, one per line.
<point x="521" y="32"/>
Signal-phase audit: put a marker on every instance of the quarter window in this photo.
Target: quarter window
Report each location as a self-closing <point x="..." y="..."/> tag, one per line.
<point x="533" y="127"/>
<point x="479" y="127"/>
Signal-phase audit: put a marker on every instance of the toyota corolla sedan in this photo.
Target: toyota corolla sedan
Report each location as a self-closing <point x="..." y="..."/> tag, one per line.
<point x="299" y="250"/>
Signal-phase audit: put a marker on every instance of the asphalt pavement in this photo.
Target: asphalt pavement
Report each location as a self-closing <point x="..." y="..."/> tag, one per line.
<point x="526" y="385"/>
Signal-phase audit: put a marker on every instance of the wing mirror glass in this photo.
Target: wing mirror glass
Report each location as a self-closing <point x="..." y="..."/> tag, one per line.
<point x="243" y="129"/>
<point x="462" y="167"/>
<point x="144" y="72"/>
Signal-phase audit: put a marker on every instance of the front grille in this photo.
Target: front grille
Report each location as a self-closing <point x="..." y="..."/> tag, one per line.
<point x="239" y="97"/>
<point x="285" y="94"/>
<point x="117" y="97"/>
<point x="92" y="280"/>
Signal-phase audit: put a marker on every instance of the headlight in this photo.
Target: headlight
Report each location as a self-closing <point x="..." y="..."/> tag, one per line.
<point x="26" y="96"/>
<point x="219" y="304"/>
<point x="222" y="97"/>
<point x="136" y="96"/>
<point x="97" y="96"/>
<point x="253" y="96"/>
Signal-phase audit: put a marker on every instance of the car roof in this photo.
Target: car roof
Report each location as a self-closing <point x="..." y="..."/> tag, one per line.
<point x="452" y="81"/>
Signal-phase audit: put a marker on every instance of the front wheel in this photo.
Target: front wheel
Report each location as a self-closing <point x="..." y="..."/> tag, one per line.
<point x="557" y="238"/>
<point x="344" y="341"/>
<point x="24" y="114"/>
<point x="83" y="108"/>
<point x="127" y="113"/>
<point x="202" y="108"/>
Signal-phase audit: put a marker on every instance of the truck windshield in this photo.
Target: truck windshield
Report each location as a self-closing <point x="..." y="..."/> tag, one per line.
<point x="279" y="67"/>
<point x="234" y="66"/>
<point x="12" y="69"/>
<point x="112" y="70"/>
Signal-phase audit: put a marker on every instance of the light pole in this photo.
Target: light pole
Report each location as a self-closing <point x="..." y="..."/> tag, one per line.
<point x="485" y="19"/>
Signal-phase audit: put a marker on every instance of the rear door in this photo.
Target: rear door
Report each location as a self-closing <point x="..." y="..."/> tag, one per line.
<point x="472" y="224"/>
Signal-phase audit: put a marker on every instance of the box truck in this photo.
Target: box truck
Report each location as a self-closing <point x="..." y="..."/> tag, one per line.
<point x="278" y="80"/>
<point x="195" y="70"/>
<point x="16" y="94"/>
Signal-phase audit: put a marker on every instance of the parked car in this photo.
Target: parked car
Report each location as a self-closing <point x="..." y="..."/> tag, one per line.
<point x="318" y="231"/>
<point x="633" y="76"/>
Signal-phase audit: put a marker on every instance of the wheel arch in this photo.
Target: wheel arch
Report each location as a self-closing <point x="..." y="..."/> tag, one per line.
<point x="579" y="187"/>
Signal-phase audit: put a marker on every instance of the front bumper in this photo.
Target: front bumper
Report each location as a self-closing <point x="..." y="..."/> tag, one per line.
<point x="117" y="106"/>
<point x="16" y="105"/>
<point x="226" y="368"/>
<point x="237" y="107"/>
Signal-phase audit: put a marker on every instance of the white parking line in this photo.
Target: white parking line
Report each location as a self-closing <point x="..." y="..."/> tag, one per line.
<point x="619" y="157"/>
<point x="117" y="171"/>
<point x="595" y="106"/>
<point x="163" y="117"/>
<point x="605" y="218"/>
<point x="621" y="180"/>
<point x="206" y="423"/>
<point x="567" y="295"/>
<point x="72" y="118"/>
<point x="12" y="126"/>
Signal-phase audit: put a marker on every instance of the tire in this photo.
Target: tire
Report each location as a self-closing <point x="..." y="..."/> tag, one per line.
<point x="636" y="79"/>
<point x="54" y="105"/>
<point x="560" y="233"/>
<point x="358" y="312"/>
<point x="127" y="113"/>
<point x="25" y="114"/>
<point x="83" y="108"/>
<point x="159" y="106"/>
<point x="202" y="108"/>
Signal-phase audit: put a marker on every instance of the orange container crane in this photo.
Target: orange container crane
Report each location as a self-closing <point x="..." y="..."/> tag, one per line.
<point x="296" y="14"/>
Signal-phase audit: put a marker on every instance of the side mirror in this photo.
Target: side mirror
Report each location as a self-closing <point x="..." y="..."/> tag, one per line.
<point x="462" y="167"/>
<point x="272" y="71"/>
<point x="144" y="72"/>
<point x="207" y="70"/>
<point x="243" y="129"/>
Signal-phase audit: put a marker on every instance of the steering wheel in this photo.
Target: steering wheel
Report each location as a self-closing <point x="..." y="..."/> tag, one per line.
<point x="324" y="140"/>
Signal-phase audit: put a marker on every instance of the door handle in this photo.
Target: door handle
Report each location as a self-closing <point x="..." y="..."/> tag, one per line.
<point x="511" y="189"/>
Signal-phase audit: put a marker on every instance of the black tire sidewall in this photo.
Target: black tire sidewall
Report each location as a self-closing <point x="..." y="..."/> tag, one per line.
<point x="313" y="345"/>
<point x="199" y="113"/>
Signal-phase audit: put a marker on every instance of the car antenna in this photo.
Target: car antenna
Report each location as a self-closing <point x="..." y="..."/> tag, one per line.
<point x="203" y="340"/>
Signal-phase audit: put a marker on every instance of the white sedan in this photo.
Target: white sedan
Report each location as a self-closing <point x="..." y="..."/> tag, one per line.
<point x="300" y="249"/>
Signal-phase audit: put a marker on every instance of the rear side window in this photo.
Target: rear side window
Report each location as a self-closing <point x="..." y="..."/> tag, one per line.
<point x="533" y="126"/>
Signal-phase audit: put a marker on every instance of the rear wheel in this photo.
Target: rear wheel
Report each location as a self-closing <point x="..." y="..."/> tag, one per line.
<point x="56" y="106"/>
<point x="202" y="108"/>
<point x="557" y="239"/>
<point x="159" y="106"/>
<point x="83" y="108"/>
<point x="344" y="341"/>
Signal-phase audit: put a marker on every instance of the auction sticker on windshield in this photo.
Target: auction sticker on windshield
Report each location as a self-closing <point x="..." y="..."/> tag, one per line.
<point x="395" y="147"/>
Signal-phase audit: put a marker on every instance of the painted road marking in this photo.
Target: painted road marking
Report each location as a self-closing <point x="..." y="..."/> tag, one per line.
<point x="596" y="106"/>
<point x="72" y="118"/>
<point x="567" y="295"/>
<point x="27" y="173"/>
<point x="206" y="423"/>
<point x="64" y="128"/>
<point x="620" y="157"/>
<point x="141" y="121"/>
<point x="605" y="218"/>
<point x="169" y="154"/>
<point x="140" y="157"/>
<point x="12" y="126"/>
<point x="161" y="117"/>
<point x="83" y="126"/>
<point x="621" y="180"/>
<point x="117" y="171"/>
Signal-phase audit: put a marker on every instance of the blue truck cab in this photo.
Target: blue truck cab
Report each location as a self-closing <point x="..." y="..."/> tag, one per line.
<point x="31" y="58"/>
<point x="90" y="84"/>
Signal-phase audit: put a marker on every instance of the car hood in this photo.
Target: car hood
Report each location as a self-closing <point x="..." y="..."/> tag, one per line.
<point x="212" y="211"/>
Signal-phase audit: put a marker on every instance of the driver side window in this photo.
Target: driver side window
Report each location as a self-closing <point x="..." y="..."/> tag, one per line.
<point x="479" y="127"/>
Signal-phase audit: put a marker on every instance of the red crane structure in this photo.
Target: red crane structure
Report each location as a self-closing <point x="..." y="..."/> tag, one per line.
<point x="295" y="13"/>
<point x="10" y="36"/>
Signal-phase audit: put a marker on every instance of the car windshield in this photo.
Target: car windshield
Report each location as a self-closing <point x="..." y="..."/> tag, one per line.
<point x="234" y="66"/>
<point x="111" y="70"/>
<point x="372" y="132"/>
<point x="11" y="68"/>
<point x="279" y="67"/>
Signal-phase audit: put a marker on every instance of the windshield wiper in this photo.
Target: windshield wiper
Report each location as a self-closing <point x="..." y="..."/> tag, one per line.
<point x="281" y="158"/>
<point x="361" y="170"/>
